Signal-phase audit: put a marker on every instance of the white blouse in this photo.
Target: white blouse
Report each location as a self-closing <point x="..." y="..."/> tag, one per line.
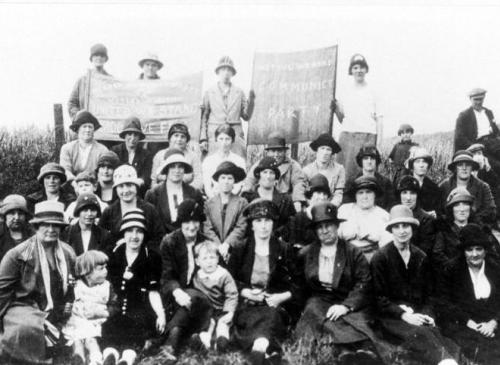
<point x="482" y="287"/>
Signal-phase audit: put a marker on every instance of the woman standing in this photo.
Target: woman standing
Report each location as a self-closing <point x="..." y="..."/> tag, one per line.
<point x="134" y="273"/>
<point x="263" y="270"/>
<point x="358" y="112"/>
<point x="470" y="293"/>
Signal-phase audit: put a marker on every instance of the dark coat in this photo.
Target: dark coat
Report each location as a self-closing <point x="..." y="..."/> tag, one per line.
<point x="466" y="128"/>
<point x="64" y="197"/>
<point x="233" y="229"/>
<point x="386" y="200"/>
<point x="100" y="239"/>
<point x="425" y="233"/>
<point x="7" y="242"/>
<point x="143" y="161"/>
<point x="484" y="205"/>
<point x="301" y="231"/>
<point x="111" y="220"/>
<point x="157" y="196"/>
<point x="429" y="196"/>
<point x="174" y="256"/>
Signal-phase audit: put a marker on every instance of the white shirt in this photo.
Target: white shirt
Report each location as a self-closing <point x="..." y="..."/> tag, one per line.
<point x="482" y="287"/>
<point x="86" y="240"/>
<point x="359" y="104"/>
<point x="209" y="166"/>
<point x="190" y="261"/>
<point x="483" y="123"/>
<point x="327" y="264"/>
<point x="174" y="192"/>
<point x="84" y="153"/>
<point x="131" y="156"/>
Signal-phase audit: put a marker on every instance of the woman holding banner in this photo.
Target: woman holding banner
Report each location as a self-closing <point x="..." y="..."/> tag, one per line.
<point x="358" y="112"/>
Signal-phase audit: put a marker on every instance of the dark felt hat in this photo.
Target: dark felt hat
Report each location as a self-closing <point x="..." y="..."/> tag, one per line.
<point x="132" y="125"/>
<point x="276" y="141"/>
<point x="261" y="208"/>
<point x="408" y="182"/>
<point x="86" y="176"/>
<point x="405" y="127"/>
<point x="229" y="168"/>
<point x="358" y="59"/>
<point x="368" y="150"/>
<point x="98" y="49"/>
<point x="265" y="164"/>
<point x="325" y="139"/>
<point x="108" y="158"/>
<point x="318" y="183"/>
<point x="86" y="200"/>
<point x="179" y="128"/>
<point x="325" y="212"/>
<point x="462" y="156"/>
<point x="473" y="235"/>
<point x="364" y="182"/>
<point x="190" y="210"/>
<point x="83" y="117"/>
<point x="52" y="168"/>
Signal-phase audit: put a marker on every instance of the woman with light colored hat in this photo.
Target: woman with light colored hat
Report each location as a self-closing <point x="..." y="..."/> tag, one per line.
<point x="150" y="65"/>
<point x="462" y="166"/>
<point x="225" y="137"/>
<point x="127" y="184"/>
<point x="167" y="196"/>
<point x="364" y="221"/>
<point x="337" y="280"/>
<point x="263" y="268"/>
<point x="133" y="153"/>
<point x="77" y="99"/>
<point x="52" y="176"/>
<point x="359" y="113"/>
<point x="134" y="272"/>
<point x="36" y="290"/>
<point x="402" y="288"/>
<point x="83" y="153"/>
<point x="470" y="299"/>
<point x="14" y="210"/>
<point x="225" y="103"/>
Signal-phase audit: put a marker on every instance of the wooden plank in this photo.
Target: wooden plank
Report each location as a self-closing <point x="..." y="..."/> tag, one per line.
<point x="59" y="128"/>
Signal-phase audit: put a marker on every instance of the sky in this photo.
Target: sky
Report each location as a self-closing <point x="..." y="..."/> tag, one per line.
<point x="423" y="59"/>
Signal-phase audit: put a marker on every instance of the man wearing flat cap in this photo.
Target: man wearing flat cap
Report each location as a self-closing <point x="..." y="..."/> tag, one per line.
<point x="77" y="99"/>
<point x="150" y="65"/>
<point x="14" y="210"/>
<point x="291" y="180"/>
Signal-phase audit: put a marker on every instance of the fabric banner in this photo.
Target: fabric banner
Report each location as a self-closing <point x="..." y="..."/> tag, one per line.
<point x="293" y="94"/>
<point x="157" y="103"/>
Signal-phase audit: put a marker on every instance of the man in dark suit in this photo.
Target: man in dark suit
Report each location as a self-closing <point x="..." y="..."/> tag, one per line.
<point x="131" y="152"/>
<point x="477" y="124"/>
<point x="166" y="197"/>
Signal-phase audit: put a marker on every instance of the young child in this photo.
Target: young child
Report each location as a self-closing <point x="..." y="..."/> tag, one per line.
<point x="401" y="150"/>
<point x="219" y="286"/>
<point x="94" y="300"/>
<point x="85" y="183"/>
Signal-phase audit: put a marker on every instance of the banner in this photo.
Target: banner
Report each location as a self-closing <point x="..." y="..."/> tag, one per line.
<point x="157" y="103"/>
<point x="293" y="94"/>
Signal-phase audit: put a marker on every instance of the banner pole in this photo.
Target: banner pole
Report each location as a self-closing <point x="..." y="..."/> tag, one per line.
<point x="332" y="112"/>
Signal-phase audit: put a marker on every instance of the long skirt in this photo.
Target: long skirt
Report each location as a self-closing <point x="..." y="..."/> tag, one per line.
<point x="350" y="144"/>
<point x="424" y="343"/>
<point x="23" y="337"/>
<point x="260" y="321"/>
<point x="239" y="146"/>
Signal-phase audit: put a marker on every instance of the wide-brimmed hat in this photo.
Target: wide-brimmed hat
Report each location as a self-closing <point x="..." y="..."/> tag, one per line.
<point x="133" y="218"/>
<point x="226" y="61"/>
<point x="14" y="202"/>
<point x="52" y="168"/>
<point x="229" y="168"/>
<point x="405" y="127"/>
<point x="325" y="139"/>
<point x="473" y="235"/>
<point x="267" y="163"/>
<point x="190" y="210"/>
<point x="151" y="57"/>
<point x="108" y="158"/>
<point x="98" y="49"/>
<point x="325" y="212"/>
<point x="318" y="183"/>
<point x="417" y="153"/>
<point x="364" y="182"/>
<point x="476" y="92"/>
<point x="261" y="208"/>
<point x="475" y="147"/>
<point x="126" y="174"/>
<point x="401" y="214"/>
<point x="179" y="128"/>
<point x="408" y="182"/>
<point x="174" y="155"/>
<point x="459" y="195"/>
<point x="462" y="156"/>
<point x="358" y="59"/>
<point x="50" y="212"/>
<point x="84" y="117"/>
<point x="132" y="125"/>
<point x="368" y="150"/>
<point x="86" y="176"/>
<point x="276" y="141"/>
<point x="84" y="201"/>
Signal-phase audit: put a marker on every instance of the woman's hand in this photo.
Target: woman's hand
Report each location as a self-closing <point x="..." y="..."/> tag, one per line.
<point x="417" y="319"/>
<point x="224" y="250"/>
<point x="487" y="329"/>
<point x="161" y="323"/>
<point x="274" y="300"/>
<point x="182" y="298"/>
<point x="336" y="311"/>
<point x="227" y="318"/>
<point x="252" y="295"/>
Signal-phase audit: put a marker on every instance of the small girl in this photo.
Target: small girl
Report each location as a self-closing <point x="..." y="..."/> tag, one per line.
<point x="94" y="300"/>
<point x="219" y="286"/>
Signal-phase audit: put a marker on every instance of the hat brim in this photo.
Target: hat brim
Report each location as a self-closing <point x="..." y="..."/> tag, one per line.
<point x="332" y="144"/>
<point x="228" y="66"/>
<point x="280" y="147"/>
<point x="413" y="221"/>
<point x="137" y="181"/>
<point x="359" y="159"/>
<point x="238" y="174"/>
<point x="258" y="170"/>
<point x="454" y="201"/>
<point x="453" y="165"/>
<point x="159" y="63"/>
<point x="52" y="172"/>
<point x="132" y="224"/>
<point x="333" y="220"/>
<point x="428" y="159"/>
<point x="187" y="167"/>
<point x="8" y="209"/>
<point x="309" y="193"/>
<point x="48" y="221"/>
<point x="75" y="126"/>
<point x="373" y="187"/>
<point x="77" y="210"/>
<point x="132" y="130"/>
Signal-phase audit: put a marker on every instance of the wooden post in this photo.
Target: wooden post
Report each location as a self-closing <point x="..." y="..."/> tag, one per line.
<point x="58" y="127"/>
<point x="294" y="150"/>
<point x="332" y="113"/>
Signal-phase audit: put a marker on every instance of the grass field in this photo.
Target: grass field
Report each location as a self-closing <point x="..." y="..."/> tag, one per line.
<point x="24" y="151"/>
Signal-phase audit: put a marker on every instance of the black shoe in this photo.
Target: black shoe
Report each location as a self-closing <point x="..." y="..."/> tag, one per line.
<point x="256" y="358"/>
<point x="196" y="344"/>
<point x="366" y="357"/>
<point x="222" y="344"/>
<point x="273" y="359"/>
<point x="348" y="358"/>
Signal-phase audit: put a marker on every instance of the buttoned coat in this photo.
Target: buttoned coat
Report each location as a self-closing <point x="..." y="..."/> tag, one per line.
<point x="100" y="239"/>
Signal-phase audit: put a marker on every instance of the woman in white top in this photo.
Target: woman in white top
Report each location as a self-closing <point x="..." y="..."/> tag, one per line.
<point x="224" y="138"/>
<point x="357" y="111"/>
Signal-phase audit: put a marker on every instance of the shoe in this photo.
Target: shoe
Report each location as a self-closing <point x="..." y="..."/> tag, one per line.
<point x="273" y="358"/>
<point x="196" y="343"/>
<point x="166" y="355"/>
<point x="110" y="356"/>
<point x="222" y="344"/>
<point x="366" y="357"/>
<point x="77" y="360"/>
<point x="348" y="358"/>
<point x="128" y="357"/>
<point x="256" y="358"/>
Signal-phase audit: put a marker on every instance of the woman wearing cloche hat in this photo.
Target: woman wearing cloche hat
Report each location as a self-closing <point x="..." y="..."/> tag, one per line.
<point x="150" y="65"/>
<point x="402" y="288"/>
